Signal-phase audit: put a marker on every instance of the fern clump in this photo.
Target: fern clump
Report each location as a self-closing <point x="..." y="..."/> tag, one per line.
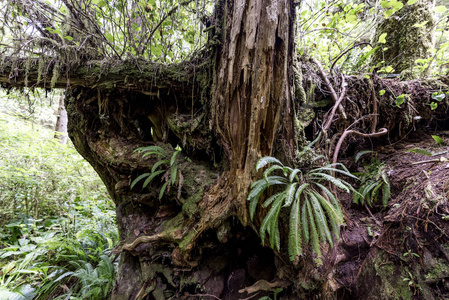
<point x="165" y="167"/>
<point x="315" y="213"/>
<point x="374" y="182"/>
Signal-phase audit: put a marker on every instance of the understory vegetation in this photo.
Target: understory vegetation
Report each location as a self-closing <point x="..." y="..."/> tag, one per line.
<point x="57" y="225"/>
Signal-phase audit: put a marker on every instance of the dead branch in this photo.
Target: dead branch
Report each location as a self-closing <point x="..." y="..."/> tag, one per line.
<point x="336" y="105"/>
<point x="331" y="88"/>
<point x="381" y="132"/>
<point x="375" y="112"/>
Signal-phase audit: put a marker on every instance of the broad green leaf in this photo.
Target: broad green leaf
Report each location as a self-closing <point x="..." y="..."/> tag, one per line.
<point x="381" y="92"/>
<point x="440" y="9"/>
<point x="438" y="139"/>
<point x="438" y="96"/>
<point x="433" y="105"/>
<point x="411" y="2"/>
<point x="399" y="100"/>
<point x="419" y="25"/>
<point x="382" y="37"/>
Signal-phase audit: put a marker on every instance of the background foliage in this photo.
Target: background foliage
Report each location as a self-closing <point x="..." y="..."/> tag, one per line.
<point x="57" y="225"/>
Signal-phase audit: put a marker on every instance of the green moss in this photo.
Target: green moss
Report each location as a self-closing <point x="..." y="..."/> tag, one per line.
<point x="190" y="206"/>
<point x="440" y="270"/>
<point x="404" y="42"/>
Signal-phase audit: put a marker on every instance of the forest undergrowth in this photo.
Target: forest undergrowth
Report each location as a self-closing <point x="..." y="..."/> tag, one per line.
<point x="57" y="222"/>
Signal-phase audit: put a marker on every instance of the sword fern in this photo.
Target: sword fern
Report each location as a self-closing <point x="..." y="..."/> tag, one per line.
<point x="315" y="213"/>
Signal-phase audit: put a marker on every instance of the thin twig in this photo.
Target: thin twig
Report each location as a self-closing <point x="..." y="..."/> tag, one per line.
<point x="330" y="87"/>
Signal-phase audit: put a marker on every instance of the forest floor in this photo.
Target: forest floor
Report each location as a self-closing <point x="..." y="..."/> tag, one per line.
<point x="401" y="250"/>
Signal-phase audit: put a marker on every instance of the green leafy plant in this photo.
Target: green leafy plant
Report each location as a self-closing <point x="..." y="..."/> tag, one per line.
<point x="315" y="214"/>
<point x="374" y="182"/>
<point x="165" y="167"/>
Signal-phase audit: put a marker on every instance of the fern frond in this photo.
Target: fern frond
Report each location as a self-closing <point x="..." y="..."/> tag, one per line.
<point x="305" y="222"/>
<point x="290" y="194"/>
<point x="293" y="174"/>
<point x="300" y="190"/>
<point x="257" y="188"/>
<point x="332" y="212"/>
<point x="135" y="181"/>
<point x="151" y="149"/>
<point x="361" y="153"/>
<point x="163" y="188"/>
<point x="385" y="194"/>
<point x="331" y="169"/>
<point x="158" y="163"/>
<point x="173" y="157"/>
<point x="294" y="237"/>
<point x="151" y="177"/>
<point x="271" y="169"/>
<point x="313" y="233"/>
<point x="173" y="174"/>
<point x="267" y="160"/>
<point x="331" y="196"/>
<point x="265" y="226"/>
<point x="272" y="198"/>
<point x="337" y="182"/>
<point x="275" y="239"/>
<point x="320" y="220"/>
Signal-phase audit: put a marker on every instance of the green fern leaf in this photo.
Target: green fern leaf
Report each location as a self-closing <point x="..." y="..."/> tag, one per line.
<point x="258" y="188"/>
<point x="300" y="190"/>
<point x="332" y="211"/>
<point x="320" y="220"/>
<point x="152" y="149"/>
<point x="385" y="194"/>
<point x="361" y="153"/>
<point x="293" y="174"/>
<point x="138" y="179"/>
<point x="337" y="182"/>
<point x="271" y="169"/>
<point x="375" y="192"/>
<point x="331" y="196"/>
<point x="294" y="238"/>
<point x="173" y="157"/>
<point x="330" y="169"/>
<point x="272" y="198"/>
<point x="267" y="160"/>
<point x="304" y="222"/>
<point x="313" y="233"/>
<point x="151" y="177"/>
<point x="174" y="174"/>
<point x="157" y="164"/>
<point x="290" y="194"/>
<point x="275" y="240"/>
<point x="162" y="191"/>
<point x="265" y="226"/>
